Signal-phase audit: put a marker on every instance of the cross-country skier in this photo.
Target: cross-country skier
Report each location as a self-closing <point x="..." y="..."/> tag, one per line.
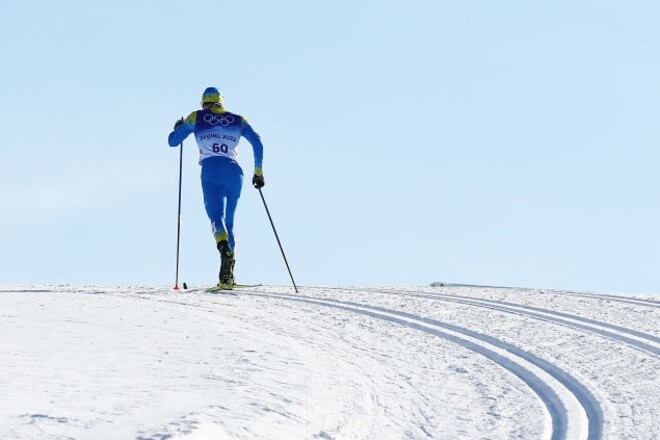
<point x="217" y="132"/>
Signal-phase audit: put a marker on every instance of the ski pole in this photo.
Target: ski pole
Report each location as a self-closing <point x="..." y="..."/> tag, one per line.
<point x="278" y="239"/>
<point x="178" y="221"/>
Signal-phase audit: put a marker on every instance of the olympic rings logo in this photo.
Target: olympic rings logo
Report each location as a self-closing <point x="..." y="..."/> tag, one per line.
<point x="223" y="120"/>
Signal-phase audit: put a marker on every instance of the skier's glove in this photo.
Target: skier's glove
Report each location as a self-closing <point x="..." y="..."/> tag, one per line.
<point x="258" y="181"/>
<point x="178" y="123"/>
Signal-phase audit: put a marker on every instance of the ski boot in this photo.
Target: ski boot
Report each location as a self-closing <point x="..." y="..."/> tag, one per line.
<point x="227" y="262"/>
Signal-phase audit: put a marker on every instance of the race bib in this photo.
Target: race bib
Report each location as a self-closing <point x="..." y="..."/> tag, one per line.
<point x="217" y="134"/>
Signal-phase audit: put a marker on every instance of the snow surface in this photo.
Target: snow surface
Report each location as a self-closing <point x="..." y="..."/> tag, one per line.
<point x="451" y="362"/>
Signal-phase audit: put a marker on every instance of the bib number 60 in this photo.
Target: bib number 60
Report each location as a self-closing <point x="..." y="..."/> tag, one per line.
<point x="220" y="147"/>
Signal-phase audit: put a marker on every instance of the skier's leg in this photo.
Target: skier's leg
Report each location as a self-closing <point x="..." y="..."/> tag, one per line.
<point x="226" y="263"/>
<point x="233" y="187"/>
<point x="221" y="184"/>
<point x="215" y="199"/>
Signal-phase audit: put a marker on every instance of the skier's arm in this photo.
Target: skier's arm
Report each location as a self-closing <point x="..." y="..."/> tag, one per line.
<point x="182" y="132"/>
<point x="257" y="147"/>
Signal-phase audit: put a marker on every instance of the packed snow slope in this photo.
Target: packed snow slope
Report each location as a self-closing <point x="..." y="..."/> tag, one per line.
<point x="451" y="362"/>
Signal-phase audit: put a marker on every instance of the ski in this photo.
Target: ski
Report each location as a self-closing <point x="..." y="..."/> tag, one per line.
<point x="220" y="288"/>
<point x="227" y="288"/>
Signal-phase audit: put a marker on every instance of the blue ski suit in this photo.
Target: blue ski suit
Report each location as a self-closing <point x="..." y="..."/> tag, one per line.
<point x="217" y="133"/>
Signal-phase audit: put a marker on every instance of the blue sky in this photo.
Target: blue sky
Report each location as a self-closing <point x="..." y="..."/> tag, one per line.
<point x="509" y="143"/>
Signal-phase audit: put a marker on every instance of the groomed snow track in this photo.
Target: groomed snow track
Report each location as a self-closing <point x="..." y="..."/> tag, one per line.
<point x="328" y="363"/>
<point x="640" y="340"/>
<point x="573" y="410"/>
<point x="636" y="301"/>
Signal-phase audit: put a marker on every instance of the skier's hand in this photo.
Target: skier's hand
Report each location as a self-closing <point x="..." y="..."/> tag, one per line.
<point x="258" y="181"/>
<point x="178" y="123"/>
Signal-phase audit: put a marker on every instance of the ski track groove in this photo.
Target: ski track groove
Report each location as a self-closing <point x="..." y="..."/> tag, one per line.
<point x="636" y="301"/>
<point x="584" y="324"/>
<point x="543" y="390"/>
<point x="616" y="298"/>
